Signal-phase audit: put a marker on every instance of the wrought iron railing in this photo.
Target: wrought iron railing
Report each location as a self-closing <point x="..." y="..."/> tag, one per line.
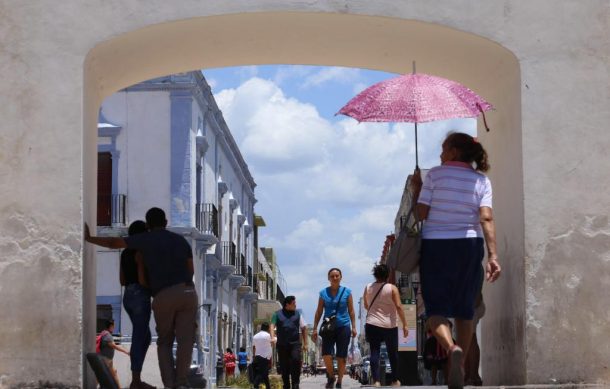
<point x="111" y="209"/>
<point x="403" y="281"/>
<point x="228" y="254"/>
<point x="249" y="277"/>
<point x="206" y="218"/>
<point x="242" y="267"/>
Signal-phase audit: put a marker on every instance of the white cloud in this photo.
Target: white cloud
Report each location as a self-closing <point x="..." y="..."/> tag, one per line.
<point x="331" y="74"/>
<point x="306" y="233"/>
<point x="286" y="73"/>
<point x="329" y="191"/>
<point x="212" y="82"/>
<point x="277" y="133"/>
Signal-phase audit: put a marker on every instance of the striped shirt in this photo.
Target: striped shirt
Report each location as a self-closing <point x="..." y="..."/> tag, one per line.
<point x="454" y="192"/>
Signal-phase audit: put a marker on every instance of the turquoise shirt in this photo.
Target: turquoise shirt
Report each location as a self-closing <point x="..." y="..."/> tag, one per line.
<point x="330" y="303"/>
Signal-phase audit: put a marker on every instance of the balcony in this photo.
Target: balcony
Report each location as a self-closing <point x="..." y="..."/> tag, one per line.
<point x="249" y="277"/>
<point x="206" y="218"/>
<point x="111" y="209"/>
<point x="228" y="254"/>
<point x="242" y="268"/>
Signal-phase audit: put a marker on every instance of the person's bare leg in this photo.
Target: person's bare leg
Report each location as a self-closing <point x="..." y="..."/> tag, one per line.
<point x="439" y="327"/>
<point x="341" y="369"/>
<point x="474" y="359"/>
<point x="464" y="334"/>
<point x="328" y="363"/>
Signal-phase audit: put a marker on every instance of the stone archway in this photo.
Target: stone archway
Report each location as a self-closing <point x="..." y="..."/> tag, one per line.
<point x="379" y="43"/>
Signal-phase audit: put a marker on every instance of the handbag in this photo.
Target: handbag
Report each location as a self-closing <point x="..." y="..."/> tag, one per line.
<point x="327" y="328"/>
<point x="405" y="252"/>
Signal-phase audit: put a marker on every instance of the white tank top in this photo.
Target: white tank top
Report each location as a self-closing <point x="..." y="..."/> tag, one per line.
<point x="382" y="313"/>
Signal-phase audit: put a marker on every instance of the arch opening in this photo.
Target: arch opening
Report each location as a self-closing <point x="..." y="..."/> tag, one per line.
<point x="377" y="43"/>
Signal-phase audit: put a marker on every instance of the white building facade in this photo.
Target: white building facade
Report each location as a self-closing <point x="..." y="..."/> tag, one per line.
<point x="164" y="143"/>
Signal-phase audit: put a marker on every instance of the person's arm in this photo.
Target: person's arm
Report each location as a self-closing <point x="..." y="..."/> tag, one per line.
<point x="365" y="300"/>
<point x="399" y="310"/>
<point x="421" y="210"/>
<point x="316" y="320"/>
<point x="110" y="242"/>
<point x="492" y="268"/>
<point x="272" y="326"/>
<point x="304" y="333"/>
<point x="115" y="346"/>
<point x="352" y="316"/>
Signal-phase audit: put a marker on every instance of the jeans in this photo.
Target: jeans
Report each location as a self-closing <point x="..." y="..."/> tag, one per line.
<point x="289" y="358"/>
<point x="136" y="301"/>
<point x="375" y="336"/>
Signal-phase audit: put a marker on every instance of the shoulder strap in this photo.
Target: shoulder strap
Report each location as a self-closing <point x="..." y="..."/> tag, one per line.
<point x="374" y="298"/>
<point x="339" y="300"/>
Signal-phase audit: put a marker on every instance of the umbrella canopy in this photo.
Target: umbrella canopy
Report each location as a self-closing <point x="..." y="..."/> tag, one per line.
<point x="415" y="98"/>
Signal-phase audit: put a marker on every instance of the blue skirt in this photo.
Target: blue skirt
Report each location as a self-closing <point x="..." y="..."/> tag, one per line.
<point x="451" y="273"/>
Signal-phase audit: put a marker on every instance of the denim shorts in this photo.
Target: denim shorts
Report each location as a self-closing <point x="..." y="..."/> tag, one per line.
<point x="341" y="338"/>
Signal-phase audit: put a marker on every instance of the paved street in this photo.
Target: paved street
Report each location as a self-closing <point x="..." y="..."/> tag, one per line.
<point x="150" y="371"/>
<point x="318" y="382"/>
<point x="150" y="374"/>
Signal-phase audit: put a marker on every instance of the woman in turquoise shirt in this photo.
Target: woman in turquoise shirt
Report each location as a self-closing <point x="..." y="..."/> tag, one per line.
<point x="335" y="300"/>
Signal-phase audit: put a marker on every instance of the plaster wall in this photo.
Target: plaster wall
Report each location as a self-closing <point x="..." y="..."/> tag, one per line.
<point x="108" y="273"/>
<point x="550" y="84"/>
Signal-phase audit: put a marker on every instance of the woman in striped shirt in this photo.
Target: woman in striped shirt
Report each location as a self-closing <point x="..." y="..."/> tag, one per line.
<point x="455" y="204"/>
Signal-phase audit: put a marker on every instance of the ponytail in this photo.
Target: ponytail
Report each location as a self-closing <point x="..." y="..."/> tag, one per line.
<point x="470" y="150"/>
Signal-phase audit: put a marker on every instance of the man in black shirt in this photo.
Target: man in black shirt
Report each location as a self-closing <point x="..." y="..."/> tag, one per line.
<point x="290" y="328"/>
<point x="168" y="260"/>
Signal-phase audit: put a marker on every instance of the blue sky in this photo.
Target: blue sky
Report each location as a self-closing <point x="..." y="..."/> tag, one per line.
<point x="328" y="187"/>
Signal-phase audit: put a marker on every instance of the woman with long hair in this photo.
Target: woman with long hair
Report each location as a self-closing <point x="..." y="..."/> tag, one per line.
<point x="335" y="300"/>
<point x="455" y="203"/>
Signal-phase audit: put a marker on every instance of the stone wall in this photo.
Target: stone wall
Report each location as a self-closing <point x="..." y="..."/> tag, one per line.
<point x="545" y="65"/>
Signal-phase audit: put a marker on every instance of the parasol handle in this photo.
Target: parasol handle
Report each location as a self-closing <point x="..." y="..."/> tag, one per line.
<point x="483" y="114"/>
<point x="416" y="154"/>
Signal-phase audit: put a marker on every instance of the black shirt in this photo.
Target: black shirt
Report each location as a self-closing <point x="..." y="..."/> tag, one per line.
<point x="129" y="266"/>
<point x="165" y="255"/>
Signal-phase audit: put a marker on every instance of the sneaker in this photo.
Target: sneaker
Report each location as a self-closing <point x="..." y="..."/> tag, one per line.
<point x="456" y="371"/>
<point x="377" y="384"/>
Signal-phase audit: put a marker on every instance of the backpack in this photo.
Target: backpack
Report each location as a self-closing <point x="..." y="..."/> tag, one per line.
<point x="98" y="341"/>
<point x="288" y="328"/>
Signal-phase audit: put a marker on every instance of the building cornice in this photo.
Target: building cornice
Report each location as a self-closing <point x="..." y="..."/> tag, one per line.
<point x="196" y="84"/>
